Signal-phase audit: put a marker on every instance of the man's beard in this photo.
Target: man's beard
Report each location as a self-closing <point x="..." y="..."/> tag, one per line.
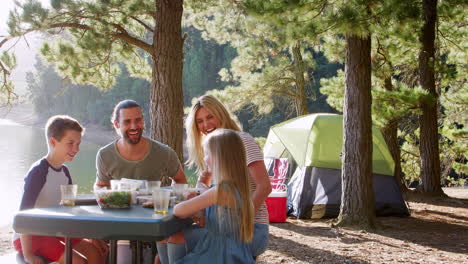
<point x="136" y="140"/>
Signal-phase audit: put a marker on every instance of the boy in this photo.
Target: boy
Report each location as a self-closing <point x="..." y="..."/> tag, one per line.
<point x="42" y="189"/>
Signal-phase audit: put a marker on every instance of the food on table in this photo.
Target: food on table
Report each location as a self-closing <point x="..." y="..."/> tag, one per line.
<point x="113" y="199"/>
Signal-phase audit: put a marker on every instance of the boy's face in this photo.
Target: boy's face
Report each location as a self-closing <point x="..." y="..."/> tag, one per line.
<point x="130" y="124"/>
<point x="68" y="147"/>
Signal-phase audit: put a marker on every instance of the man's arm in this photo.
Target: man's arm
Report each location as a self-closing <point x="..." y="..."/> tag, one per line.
<point x="102" y="181"/>
<point x="100" y="184"/>
<point x="180" y="176"/>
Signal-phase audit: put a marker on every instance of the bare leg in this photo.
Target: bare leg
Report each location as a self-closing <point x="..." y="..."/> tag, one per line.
<point x="76" y="258"/>
<point x="90" y="252"/>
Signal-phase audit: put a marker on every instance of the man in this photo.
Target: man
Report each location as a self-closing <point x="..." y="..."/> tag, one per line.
<point x="134" y="155"/>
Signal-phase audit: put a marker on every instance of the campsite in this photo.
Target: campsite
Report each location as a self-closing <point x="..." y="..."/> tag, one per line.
<point x="242" y="131"/>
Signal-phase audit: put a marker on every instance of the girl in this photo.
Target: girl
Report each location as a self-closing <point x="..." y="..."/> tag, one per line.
<point x="229" y="207"/>
<point x="207" y="115"/>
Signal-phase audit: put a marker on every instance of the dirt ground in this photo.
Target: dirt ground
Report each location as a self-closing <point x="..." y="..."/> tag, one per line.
<point x="436" y="232"/>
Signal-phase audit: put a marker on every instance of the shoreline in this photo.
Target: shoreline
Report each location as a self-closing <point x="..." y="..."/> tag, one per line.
<point x="25" y="115"/>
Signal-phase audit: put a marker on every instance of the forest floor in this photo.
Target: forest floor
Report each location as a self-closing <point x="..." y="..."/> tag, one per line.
<point x="436" y="232"/>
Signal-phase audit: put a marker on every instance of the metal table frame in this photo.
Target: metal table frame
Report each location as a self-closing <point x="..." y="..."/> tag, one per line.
<point x="89" y="221"/>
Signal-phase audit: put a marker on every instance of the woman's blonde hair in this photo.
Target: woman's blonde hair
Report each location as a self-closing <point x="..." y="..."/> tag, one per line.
<point x="229" y="169"/>
<point x="194" y="136"/>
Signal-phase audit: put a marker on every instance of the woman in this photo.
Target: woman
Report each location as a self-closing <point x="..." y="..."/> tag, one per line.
<point x="206" y="115"/>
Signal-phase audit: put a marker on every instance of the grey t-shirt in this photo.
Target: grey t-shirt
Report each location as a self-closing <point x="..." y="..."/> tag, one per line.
<point x="160" y="161"/>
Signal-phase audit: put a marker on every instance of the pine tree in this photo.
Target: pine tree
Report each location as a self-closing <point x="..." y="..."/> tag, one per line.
<point x="391" y="56"/>
<point x="429" y="146"/>
<point x="273" y="60"/>
<point x="96" y="35"/>
<point x="349" y="19"/>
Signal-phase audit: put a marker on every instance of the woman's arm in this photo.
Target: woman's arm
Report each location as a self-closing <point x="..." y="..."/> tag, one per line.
<point x="263" y="186"/>
<point x="188" y="208"/>
<point x="204" y="181"/>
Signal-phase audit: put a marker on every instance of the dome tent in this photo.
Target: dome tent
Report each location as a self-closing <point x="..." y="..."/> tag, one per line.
<point x="314" y="143"/>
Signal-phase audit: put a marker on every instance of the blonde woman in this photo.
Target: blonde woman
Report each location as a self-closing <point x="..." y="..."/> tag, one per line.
<point x="229" y="207"/>
<point x="206" y="116"/>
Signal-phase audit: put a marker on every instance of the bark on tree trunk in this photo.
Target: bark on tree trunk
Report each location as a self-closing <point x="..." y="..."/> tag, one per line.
<point x="429" y="142"/>
<point x="357" y="199"/>
<point x="300" y="100"/>
<point x="166" y="102"/>
<point x="390" y="134"/>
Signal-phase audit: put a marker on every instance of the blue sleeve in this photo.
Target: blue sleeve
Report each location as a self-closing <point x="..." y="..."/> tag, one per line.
<point x="33" y="184"/>
<point x="67" y="173"/>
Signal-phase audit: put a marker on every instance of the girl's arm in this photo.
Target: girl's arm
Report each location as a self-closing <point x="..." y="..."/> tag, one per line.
<point x="190" y="207"/>
<point x="262" y="180"/>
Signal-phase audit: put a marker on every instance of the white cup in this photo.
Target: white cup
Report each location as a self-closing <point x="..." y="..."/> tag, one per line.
<point x="161" y="199"/>
<point x="151" y="185"/>
<point x="115" y="184"/>
<point x="68" y="194"/>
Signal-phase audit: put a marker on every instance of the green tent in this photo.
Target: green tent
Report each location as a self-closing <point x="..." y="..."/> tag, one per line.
<point x="317" y="140"/>
<point x="314" y="143"/>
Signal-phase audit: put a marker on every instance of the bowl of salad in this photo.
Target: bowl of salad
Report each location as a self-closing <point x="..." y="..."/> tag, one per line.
<point x="113" y="199"/>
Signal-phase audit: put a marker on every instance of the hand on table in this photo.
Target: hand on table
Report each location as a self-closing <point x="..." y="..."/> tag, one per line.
<point x="199" y="219"/>
<point x="33" y="259"/>
<point x="190" y="195"/>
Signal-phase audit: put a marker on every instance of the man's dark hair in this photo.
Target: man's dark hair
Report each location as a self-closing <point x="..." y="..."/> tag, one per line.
<point x="122" y="105"/>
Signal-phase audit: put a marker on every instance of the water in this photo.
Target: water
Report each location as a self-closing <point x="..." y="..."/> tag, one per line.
<point x="20" y="146"/>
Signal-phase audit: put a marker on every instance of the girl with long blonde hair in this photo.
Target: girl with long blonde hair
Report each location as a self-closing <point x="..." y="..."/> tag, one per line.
<point x="230" y="210"/>
<point x="206" y="116"/>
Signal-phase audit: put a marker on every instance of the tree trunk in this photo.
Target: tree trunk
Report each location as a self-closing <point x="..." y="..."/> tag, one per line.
<point x="390" y="134"/>
<point x="429" y="142"/>
<point x="300" y="99"/>
<point x="357" y="199"/>
<point x="166" y="102"/>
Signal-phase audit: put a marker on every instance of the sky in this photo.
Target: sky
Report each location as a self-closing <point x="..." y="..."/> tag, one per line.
<point x="25" y="55"/>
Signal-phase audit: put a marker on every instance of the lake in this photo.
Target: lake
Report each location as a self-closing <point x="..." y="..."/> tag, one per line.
<point x="20" y="146"/>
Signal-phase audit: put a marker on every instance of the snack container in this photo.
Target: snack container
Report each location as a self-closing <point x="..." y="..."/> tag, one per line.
<point x="113" y="199"/>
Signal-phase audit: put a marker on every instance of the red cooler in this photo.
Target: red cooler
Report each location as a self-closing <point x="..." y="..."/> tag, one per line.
<point x="276" y="204"/>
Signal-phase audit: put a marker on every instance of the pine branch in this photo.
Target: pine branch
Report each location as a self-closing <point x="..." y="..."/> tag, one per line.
<point x="410" y="153"/>
<point x="142" y="23"/>
<point x="449" y="40"/>
<point x="123" y="35"/>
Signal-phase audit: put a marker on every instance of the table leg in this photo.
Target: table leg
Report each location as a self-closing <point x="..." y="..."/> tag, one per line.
<point x="68" y="250"/>
<point x="138" y="252"/>
<point x="113" y="252"/>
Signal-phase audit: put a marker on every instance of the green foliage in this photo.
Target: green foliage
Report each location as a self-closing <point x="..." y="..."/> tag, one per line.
<point x="50" y="95"/>
<point x="260" y="141"/>
<point x="203" y="59"/>
<point x="410" y="158"/>
<point x="265" y="65"/>
<point x="99" y="35"/>
<point x="7" y="62"/>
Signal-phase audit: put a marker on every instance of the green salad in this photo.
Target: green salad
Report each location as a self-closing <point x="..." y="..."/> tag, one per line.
<point x="113" y="199"/>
